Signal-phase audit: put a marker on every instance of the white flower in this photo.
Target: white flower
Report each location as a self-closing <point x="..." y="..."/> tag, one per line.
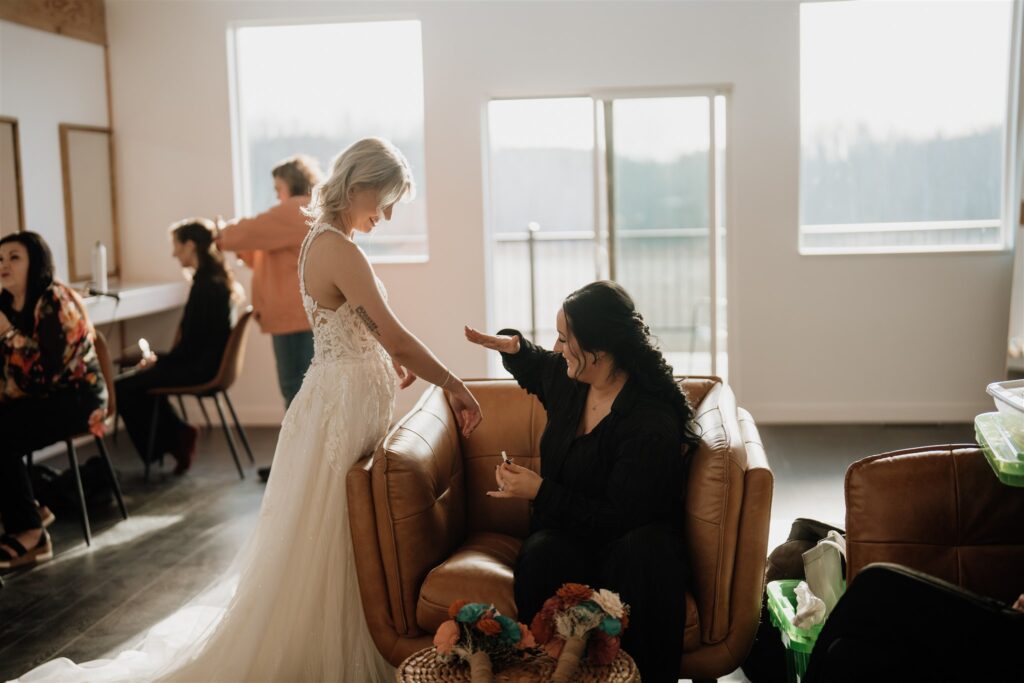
<point x="610" y="602"/>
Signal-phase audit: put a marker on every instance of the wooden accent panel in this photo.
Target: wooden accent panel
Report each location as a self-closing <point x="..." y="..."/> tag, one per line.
<point x="82" y="19"/>
<point x="19" y="198"/>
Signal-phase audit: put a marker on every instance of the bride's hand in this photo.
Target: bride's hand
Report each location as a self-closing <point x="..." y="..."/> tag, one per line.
<point x="495" y="342"/>
<point x="466" y="408"/>
<point x="405" y="375"/>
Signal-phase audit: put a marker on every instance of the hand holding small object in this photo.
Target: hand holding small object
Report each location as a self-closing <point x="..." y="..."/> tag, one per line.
<point x="515" y="482"/>
<point x="148" y="357"/>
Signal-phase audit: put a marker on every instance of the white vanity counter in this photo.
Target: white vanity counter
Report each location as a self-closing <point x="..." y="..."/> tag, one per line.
<point x="137" y="299"/>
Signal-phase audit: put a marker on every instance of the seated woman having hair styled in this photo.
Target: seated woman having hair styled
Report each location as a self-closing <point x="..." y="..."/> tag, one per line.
<point x="607" y="506"/>
<point x="51" y="385"/>
<point x="196" y="355"/>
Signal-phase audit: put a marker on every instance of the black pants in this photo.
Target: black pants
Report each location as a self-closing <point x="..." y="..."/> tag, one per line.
<point x="26" y="425"/>
<point x="646" y="567"/>
<point x="895" y="624"/>
<point x="135" y="405"/>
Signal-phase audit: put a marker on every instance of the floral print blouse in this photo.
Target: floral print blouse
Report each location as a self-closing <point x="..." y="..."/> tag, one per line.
<point x="59" y="354"/>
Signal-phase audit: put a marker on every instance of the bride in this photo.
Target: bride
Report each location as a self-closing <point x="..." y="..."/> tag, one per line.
<point x="289" y="608"/>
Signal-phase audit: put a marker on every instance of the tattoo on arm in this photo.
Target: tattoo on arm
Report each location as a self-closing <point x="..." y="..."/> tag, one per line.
<point x="367" y="320"/>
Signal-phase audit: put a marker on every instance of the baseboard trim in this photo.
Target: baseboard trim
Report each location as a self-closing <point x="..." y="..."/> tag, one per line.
<point x="260" y="416"/>
<point x="854" y="413"/>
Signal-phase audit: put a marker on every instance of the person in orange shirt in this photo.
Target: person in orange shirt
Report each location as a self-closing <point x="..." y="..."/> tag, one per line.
<point x="269" y="244"/>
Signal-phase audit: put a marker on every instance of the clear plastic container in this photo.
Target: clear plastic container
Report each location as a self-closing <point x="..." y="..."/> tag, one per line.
<point x="1004" y="453"/>
<point x="1009" y="400"/>
<point x="799" y="642"/>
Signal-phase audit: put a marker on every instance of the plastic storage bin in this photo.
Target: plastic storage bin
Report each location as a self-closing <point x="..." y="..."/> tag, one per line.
<point x="1003" y="452"/>
<point x="798" y="641"/>
<point x="1009" y="400"/>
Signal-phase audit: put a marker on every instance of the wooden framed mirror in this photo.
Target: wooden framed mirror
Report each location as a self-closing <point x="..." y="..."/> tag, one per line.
<point x="12" y="204"/>
<point x="90" y="205"/>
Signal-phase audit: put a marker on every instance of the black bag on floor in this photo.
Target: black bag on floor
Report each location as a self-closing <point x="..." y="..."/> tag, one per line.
<point x="898" y="624"/>
<point x="59" y="492"/>
<point x="766" y="662"/>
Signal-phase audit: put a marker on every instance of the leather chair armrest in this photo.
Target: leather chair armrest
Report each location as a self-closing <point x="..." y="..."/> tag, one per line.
<point x="419" y="503"/>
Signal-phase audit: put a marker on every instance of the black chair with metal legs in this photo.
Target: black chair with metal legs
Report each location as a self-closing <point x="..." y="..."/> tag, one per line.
<point x="230" y="369"/>
<point x="69" y="442"/>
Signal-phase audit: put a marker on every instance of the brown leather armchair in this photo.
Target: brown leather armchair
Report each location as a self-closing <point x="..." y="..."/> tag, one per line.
<point x="425" y="533"/>
<point x="939" y="510"/>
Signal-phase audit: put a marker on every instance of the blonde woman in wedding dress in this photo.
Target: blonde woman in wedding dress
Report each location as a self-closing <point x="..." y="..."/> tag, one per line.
<point x="289" y="608"/>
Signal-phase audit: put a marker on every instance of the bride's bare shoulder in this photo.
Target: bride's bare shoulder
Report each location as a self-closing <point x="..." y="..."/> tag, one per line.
<point x="337" y="258"/>
<point x="335" y="247"/>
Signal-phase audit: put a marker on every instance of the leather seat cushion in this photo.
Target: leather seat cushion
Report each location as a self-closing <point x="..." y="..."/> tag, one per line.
<point x="481" y="571"/>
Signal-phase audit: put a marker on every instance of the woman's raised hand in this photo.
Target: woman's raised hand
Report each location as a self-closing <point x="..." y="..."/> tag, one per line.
<point x="495" y="342"/>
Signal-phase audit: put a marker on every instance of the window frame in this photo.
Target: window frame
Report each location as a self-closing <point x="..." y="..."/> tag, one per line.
<point x="720" y="207"/>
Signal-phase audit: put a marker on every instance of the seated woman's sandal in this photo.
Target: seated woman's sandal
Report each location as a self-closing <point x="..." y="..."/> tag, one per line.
<point x="43" y="550"/>
<point x="45" y="514"/>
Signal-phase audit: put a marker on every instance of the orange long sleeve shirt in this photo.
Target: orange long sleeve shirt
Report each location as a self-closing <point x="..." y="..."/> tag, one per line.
<point x="269" y="244"/>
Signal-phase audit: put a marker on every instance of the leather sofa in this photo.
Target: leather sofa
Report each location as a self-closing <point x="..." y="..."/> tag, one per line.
<point x="426" y="534"/>
<point x="938" y="510"/>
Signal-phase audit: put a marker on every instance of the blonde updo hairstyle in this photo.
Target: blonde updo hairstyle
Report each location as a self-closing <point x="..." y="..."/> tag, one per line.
<point x="370" y="163"/>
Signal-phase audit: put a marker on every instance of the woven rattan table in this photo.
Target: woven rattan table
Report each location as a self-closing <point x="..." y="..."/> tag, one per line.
<point x="424" y="667"/>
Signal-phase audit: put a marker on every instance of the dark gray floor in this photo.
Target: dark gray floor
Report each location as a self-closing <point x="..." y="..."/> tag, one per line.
<point x="183" y="532"/>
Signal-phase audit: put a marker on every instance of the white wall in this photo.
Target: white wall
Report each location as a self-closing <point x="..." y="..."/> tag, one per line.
<point x="843" y="338"/>
<point x="46" y="80"/>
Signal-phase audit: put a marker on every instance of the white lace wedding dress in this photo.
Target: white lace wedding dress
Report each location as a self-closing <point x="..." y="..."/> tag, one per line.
<point x="289" y="607"/>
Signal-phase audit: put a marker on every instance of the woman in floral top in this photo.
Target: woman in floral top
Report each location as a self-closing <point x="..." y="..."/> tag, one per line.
<point x="51" y="385"/>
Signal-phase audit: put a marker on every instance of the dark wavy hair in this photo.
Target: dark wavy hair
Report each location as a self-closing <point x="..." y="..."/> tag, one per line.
<point x="202" y="232"/>
<point x="603" y="317"/>
<point x="40" y="278"/>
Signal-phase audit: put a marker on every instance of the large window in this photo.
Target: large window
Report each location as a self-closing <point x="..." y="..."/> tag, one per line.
<point x="315" y="89"/>
<point x="902" y="116"/>
<point x="627" y="187"/>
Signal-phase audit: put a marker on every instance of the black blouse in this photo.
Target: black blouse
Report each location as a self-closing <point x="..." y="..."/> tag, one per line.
<point x="628" y="472"/>
<point x="205" y="327"/>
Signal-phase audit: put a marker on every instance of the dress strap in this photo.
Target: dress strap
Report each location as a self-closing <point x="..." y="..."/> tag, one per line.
<point x="329" y="228"/>
<point x="315" y="230"/>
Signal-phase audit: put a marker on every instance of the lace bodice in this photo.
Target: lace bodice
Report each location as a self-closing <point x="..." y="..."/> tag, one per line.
<point x="337" y="334"/>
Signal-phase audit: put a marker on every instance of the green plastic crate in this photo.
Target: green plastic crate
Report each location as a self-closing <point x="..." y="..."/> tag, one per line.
<point x="1004" y="454"/>
<point x="798" y="641"/>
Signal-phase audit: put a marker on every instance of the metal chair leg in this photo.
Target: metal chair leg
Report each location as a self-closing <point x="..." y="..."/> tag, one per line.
<point x="227" y="434"/>
<point x="206" y="415"/>
<point x="113" y="476"/>
<point x="73" y="459"/>
<point x="181" y="407"/>
<point x="238" y="426"/>
<point x="152" y="435"/>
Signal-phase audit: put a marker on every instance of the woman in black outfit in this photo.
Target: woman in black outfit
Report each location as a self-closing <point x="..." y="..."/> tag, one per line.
<point x="608" y="503"/>
<point x="196" y="355"/>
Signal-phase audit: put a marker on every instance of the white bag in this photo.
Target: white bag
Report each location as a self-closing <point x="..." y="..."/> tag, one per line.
<point x="823" y="568"/>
